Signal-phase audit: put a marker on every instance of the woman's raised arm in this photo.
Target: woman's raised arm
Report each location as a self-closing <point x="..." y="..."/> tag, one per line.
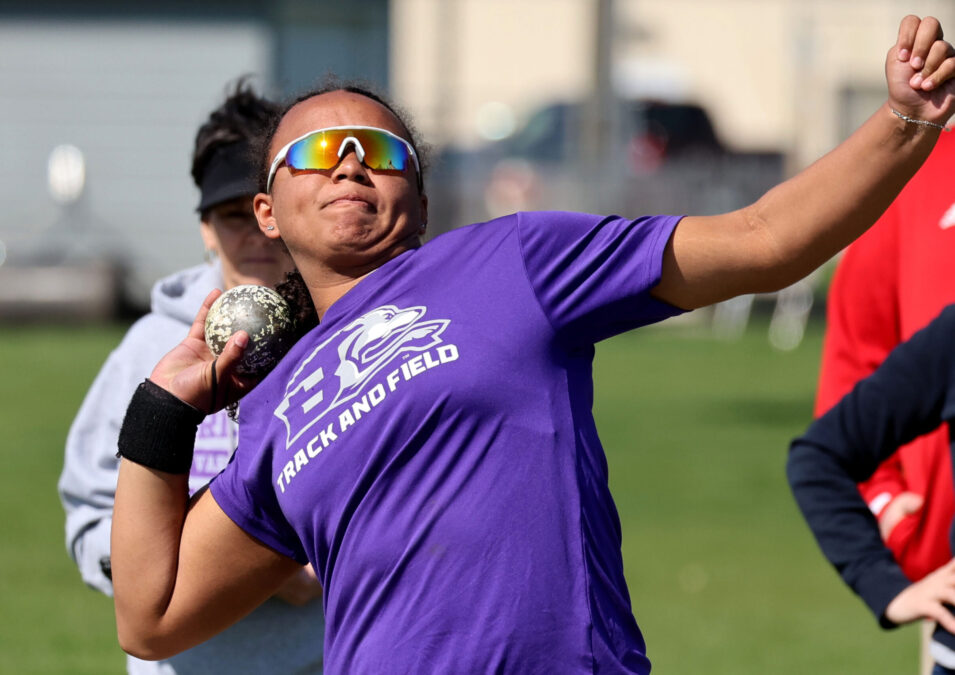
<point x="804" y="221"/>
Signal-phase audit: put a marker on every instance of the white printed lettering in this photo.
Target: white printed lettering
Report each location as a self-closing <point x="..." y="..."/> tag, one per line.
<point x="377" y="394"/>
<point x="310" y="382"/>
<point x="429" y="361"/>
<point x="353" y="413"/>
<point x="313" y="448"/>
<point x="361" y="406"/>
<point x="415" y="365"/>
<point x="328" y="435"/>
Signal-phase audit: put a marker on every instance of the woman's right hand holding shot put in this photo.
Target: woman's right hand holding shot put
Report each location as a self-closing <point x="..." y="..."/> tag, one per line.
<point x="169" y="571"/>
<point x="186" y="372"/>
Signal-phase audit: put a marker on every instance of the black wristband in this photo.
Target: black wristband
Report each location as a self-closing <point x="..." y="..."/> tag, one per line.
<point x="159" y="430"/>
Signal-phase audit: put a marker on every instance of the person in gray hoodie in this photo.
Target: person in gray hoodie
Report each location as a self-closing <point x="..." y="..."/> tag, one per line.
<point x="285" y="635"/>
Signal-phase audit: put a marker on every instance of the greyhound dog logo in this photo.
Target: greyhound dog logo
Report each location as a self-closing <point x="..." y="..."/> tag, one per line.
<point x="362" y="349"/>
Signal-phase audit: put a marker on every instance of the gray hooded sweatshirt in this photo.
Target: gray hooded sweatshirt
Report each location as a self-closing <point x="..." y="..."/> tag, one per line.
<point x="276" y="637"/>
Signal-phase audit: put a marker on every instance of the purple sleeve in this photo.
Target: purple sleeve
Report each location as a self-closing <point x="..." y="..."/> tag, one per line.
<point x="593" y="274"/>
<point x="244" y="491"/>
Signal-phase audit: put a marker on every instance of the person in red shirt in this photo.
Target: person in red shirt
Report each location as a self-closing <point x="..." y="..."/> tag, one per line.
<point x="890" y="283"/>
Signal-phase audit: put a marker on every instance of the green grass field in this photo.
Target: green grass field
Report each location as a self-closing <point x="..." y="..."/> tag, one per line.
<point x="723" y="573"/>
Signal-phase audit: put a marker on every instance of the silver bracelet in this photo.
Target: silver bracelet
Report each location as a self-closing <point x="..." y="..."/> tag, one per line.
<point x="924" y="123"/>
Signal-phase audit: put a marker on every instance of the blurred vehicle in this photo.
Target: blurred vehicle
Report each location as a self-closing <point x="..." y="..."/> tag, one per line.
<point x="659" y="157"/>
<point x="646" y="133"/>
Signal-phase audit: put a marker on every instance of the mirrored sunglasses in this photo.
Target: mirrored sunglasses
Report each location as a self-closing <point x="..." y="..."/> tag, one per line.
<point x="323" y="149"/>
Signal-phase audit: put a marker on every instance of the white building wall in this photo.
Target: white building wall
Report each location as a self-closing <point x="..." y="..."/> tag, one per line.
<point x="773" y="73"/>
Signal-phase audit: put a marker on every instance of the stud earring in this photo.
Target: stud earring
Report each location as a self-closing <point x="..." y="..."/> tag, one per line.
<point x="270" y="228"/>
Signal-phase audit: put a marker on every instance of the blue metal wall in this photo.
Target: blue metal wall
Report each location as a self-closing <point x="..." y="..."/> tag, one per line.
<point x="128" y="84"/>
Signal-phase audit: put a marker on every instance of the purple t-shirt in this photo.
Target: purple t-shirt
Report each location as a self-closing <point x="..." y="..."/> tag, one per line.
<point x="431" y="449"/>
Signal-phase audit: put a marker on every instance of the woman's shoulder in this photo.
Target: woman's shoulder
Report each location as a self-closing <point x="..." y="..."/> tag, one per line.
<point x="497" y="229"/>
<point x="522" y="219"/>
<point x="483" y="229"/>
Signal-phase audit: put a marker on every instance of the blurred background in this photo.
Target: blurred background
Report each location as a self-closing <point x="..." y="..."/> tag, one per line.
<point x="627" y="106"/>
<point x="623" y="106"/>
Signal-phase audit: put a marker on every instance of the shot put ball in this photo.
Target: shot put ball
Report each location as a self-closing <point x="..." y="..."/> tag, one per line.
<point x="260" y="312"/>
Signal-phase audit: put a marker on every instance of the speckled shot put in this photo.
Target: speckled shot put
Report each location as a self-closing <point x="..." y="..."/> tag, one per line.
<point x="260" y="312"/>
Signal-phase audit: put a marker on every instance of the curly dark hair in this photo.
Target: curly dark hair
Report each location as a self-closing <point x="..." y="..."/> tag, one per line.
<point x="299" y="300"/>
<point x="330" y="83"/>
<point x="244" y="116"/>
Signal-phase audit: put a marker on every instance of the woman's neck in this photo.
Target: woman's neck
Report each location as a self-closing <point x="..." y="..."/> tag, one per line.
<point x="328" y="284"/>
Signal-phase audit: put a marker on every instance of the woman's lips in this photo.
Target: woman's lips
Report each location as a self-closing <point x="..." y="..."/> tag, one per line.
<point x="351" y="200"/>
